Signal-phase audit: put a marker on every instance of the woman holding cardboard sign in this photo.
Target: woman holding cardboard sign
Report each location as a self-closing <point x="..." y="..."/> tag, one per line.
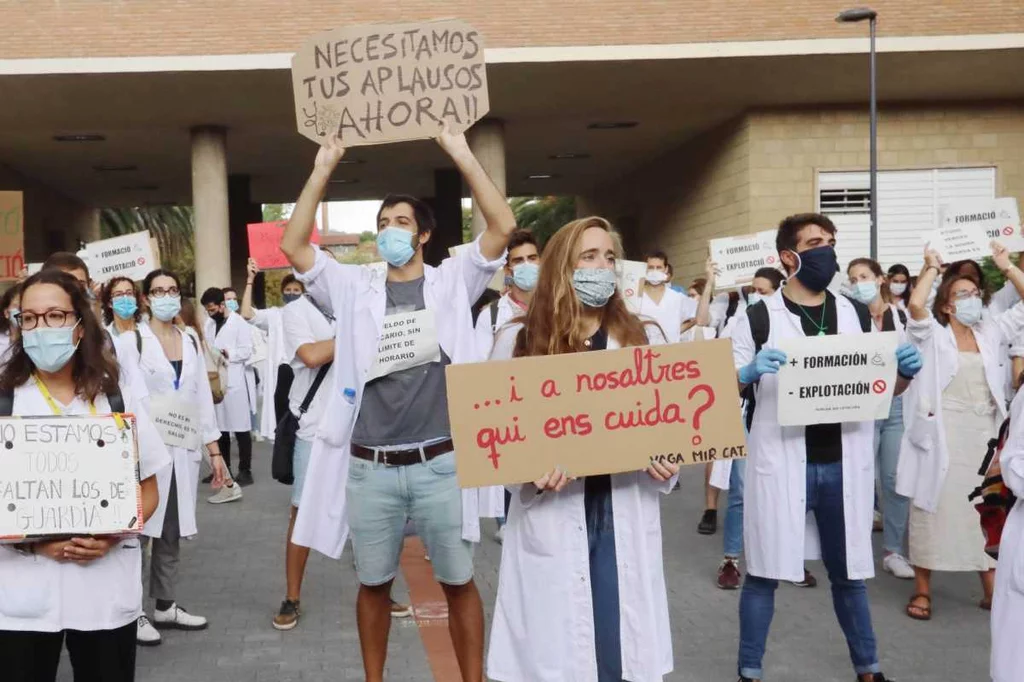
<point x="563" y="582"/>
<point x="950" y="416"/>
<point x="172" y="364"/>
<point x="82" y="591"/>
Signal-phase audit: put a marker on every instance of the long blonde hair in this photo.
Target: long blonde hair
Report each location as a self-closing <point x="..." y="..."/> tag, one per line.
<point x="552" y="323"/>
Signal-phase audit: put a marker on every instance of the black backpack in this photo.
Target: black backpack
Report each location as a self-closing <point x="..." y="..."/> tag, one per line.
<point x="760" y="326"/>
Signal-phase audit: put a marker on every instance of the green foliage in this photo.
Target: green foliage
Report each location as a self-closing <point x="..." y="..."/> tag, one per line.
<point x="274" y="212"/>
<point x="467" y="225"/>
<point x="367" y="236"/>
<point x="172" y="226"/>
<point x="543" y="216"/>
<point x="993" y="277"/>
<point x="357" y="257"/>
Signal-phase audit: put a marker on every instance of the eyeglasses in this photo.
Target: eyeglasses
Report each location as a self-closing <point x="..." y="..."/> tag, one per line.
<point x="160" y="292"/>
<point x="964" y="295"/>
<point x="55" y="318"/>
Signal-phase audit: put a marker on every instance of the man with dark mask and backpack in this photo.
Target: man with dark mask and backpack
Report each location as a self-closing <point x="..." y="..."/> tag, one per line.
<point x="825" y="469"/>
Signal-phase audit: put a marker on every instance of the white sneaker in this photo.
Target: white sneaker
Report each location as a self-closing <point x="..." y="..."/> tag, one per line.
<point x="898" y="566"/>
<point x="177" y="618"/>
<point x="145" y="633"/>
<point x="499" y="535"/>
<point x="226" y="494"/>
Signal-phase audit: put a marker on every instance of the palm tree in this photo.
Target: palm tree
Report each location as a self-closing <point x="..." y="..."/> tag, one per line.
<point x="543" y="216"/>
<point x="172" y="227"/>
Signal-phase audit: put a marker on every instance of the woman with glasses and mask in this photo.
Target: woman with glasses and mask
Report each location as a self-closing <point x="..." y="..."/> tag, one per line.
<point x="120" y="302"/>
<point x="172" y="364"/>
<point x="564" y="584"/>
<point x="80" y="592"/>
<point x="951" y="411"/>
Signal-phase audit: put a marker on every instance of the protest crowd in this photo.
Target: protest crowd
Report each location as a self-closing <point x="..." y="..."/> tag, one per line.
<point x="363" y="432"/>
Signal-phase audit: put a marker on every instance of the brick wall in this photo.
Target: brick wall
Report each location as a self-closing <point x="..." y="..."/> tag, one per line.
<point x="78" y="28"/>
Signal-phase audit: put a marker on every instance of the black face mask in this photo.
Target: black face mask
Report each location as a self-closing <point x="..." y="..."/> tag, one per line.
<point x="217" y="317"/>
<point x="818" y="266"/>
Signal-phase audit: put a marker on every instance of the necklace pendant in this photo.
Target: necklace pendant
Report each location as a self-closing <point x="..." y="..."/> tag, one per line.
<point x="821" y="332"/>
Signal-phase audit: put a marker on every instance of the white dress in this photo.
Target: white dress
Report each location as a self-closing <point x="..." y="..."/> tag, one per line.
<point x="951" y="538"/>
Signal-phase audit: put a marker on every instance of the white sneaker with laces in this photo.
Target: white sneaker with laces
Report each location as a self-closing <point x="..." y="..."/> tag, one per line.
<point x="226" y="494"/>
<point x="177" y="618"/>
<point x="145" y="633"/>
<point x="898" y="566"/>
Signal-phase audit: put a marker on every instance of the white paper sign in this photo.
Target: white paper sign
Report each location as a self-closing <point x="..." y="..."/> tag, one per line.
<point x="738" y="258"/>
<point x="406" y="340"/>
<point x="844" y="378"/>
<point x="68" y="476"/>
<point x="176" y="419"/>
<point x="630" y="274"/>
<point x="966" y="229"/>
<point x="128" y="256"/>
<point x="33" y="268"/>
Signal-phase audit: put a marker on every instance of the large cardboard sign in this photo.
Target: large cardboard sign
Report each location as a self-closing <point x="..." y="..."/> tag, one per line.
<point x="594" y="413"/>
<point x="128" y="256"/>
<point x="630" y="274"/>
<point x="389" y="82"/>
<point x="829" y="379"/>
<point x="68" y="476"/>
<point x="967" y="228"/>
<point x="738" y="258"/>
<point x="265" y="244"/>
<point x="12" y="235"/>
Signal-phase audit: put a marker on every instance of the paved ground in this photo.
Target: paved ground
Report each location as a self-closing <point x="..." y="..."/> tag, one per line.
<point x="233" y="573"/>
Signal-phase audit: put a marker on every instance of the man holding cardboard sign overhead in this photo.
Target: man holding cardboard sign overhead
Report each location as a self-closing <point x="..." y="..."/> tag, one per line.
<point x="827" y="469"/>
<point x="387" y="445"/>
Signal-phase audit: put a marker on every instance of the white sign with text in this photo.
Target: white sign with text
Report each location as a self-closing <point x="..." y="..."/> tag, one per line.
<point x="128" y="256"/>
<point x="176" y="419"/>
<point x="967" y="228"/>
<point x="407" y="340"/>
<point x="630" y="274"/>
<point x="738" y="258"/>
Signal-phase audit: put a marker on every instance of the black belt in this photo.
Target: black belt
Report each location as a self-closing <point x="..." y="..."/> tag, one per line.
<point x="401" y="458"/>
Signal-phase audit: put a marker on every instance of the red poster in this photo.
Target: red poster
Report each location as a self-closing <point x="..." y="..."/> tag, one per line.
<point x="265" y="244"/>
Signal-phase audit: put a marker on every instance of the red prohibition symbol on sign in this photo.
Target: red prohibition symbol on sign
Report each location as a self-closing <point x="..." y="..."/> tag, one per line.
<point x="1008" y="231"/>
<point x="770" y="259"/>
<point x="878" y="386"/>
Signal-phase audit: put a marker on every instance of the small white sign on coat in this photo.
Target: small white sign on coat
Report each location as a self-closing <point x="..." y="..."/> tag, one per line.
<point x="966" y="229"/>
<point x="129" y="256"/>
<point x="630" y="274"/>
<point x="738" y="258"/>
<point x="407" y="340"/>
<point x="176" y="420"/>
<point x="830" y="379"/>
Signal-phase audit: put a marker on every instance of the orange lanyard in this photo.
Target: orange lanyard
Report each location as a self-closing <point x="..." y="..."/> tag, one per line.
<point x="54" y="407"/>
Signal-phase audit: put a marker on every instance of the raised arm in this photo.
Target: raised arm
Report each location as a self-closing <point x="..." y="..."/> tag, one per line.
<point x="919" y="297"/>
<point x="703" y="316"/>
<point x="247" y="311"/>
<point x="295" y="241"/>
<point x="501" y="222"/>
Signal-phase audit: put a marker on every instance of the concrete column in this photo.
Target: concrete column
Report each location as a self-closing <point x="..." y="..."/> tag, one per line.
<point x="447" y="206"/>
<point x="241" y="212"/>
<point x="487" y="140"/>
<point x="87" y="224"/>
<point x="210" y="202"/>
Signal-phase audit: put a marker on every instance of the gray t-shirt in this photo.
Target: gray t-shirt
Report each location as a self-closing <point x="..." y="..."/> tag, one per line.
<point x="410" y="406"/>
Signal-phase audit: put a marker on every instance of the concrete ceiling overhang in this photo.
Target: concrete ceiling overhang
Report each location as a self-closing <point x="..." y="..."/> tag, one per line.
<point x="546" y="108"/>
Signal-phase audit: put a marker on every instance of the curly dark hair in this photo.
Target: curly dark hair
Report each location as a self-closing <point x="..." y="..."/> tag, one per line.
<point x="107" y="301"/>
<point x="94" y="368"/>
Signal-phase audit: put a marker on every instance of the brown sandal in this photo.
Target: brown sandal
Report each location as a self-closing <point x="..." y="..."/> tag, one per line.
<point x="917" y="611"/>
<point x="985" y="604"/>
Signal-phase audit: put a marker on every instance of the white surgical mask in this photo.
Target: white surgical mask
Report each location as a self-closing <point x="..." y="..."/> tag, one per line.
<point x="656" y="277"/>
<point x="753" y="298"/>
<point x="898" y="288"/>
<point x="968" y="311"/>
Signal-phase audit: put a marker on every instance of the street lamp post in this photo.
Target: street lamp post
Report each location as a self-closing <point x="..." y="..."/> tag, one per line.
<point x="854" y="16"/>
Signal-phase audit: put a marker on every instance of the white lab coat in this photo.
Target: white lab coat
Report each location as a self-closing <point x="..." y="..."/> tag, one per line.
<point x="39" y="594"/>
<point x="779" y="534"/>
<point x="357" y="298"/>
<point x="673" y="309"/>
<point x="543" y="629"/>
<point x="1008" y="600"/>
<point x="924" y="459"/>
<point x="158" y="374"/>
<point x="234" y="413"/>
<point x="269" y="321"/>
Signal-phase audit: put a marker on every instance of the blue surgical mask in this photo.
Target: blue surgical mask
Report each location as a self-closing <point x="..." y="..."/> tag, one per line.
<point x="968" y="311"/>
<point x="290" y="298"/>
<point x="753" y="298"/>
<point x="817" y="267"/>
<point x="125" y="307"/>
<point x="395" y="246"/>
<point x="231" y="305"/>
<point x="165" y="308"/>
<point x="50" y="349"/>
<point x="594" y="286"/>
<point x="524" y="276"/>
<point x="865" y="292"/>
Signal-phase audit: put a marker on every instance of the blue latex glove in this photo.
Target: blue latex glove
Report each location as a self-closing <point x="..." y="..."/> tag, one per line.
<point x="767" y="361"/>
<point x="908" y="360"/>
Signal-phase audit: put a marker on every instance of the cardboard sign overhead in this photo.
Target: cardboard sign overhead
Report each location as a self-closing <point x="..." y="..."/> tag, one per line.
<point x="738" y="258"/>
<point x="68" y="476"/>
<point x="12" y="235"/>
<point x="967" y="228"/>
<point x="830" y="379"/>
<point x="594" y="413"/>
<point x="128" y="256"/>
<point x="265" y="244"/>
<point x="381" y="83"/>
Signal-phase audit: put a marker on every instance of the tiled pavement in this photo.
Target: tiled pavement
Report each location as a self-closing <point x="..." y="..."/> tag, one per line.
<point x="233" y="574"/>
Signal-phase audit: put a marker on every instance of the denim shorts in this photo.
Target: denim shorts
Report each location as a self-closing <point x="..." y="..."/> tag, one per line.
<point x="300" y="463"/>
<point x="380" y="499"/>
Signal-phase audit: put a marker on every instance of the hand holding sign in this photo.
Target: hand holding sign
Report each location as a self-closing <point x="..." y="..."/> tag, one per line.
<point x="329" y="156"/>
<point x="453" y="144"/>
<point x="1000" y="256"/>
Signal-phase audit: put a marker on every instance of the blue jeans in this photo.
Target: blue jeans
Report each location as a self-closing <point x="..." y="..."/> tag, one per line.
<point x="849" y="597"/>
<point x="732" y="530"/>
<point x="895" y="507"/>
<point x="604" y="577"/>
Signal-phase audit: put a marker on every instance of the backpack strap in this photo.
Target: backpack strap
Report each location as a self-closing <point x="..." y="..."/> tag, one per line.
<point x="734" y="304"/>
<point x="863" y="314"/>
<point x="494" y="314"/>
<point x="760" y="326"/>
<point x="903" y="317"/>
<point x="138" y="342"/>
<point x="6" y="403"/>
